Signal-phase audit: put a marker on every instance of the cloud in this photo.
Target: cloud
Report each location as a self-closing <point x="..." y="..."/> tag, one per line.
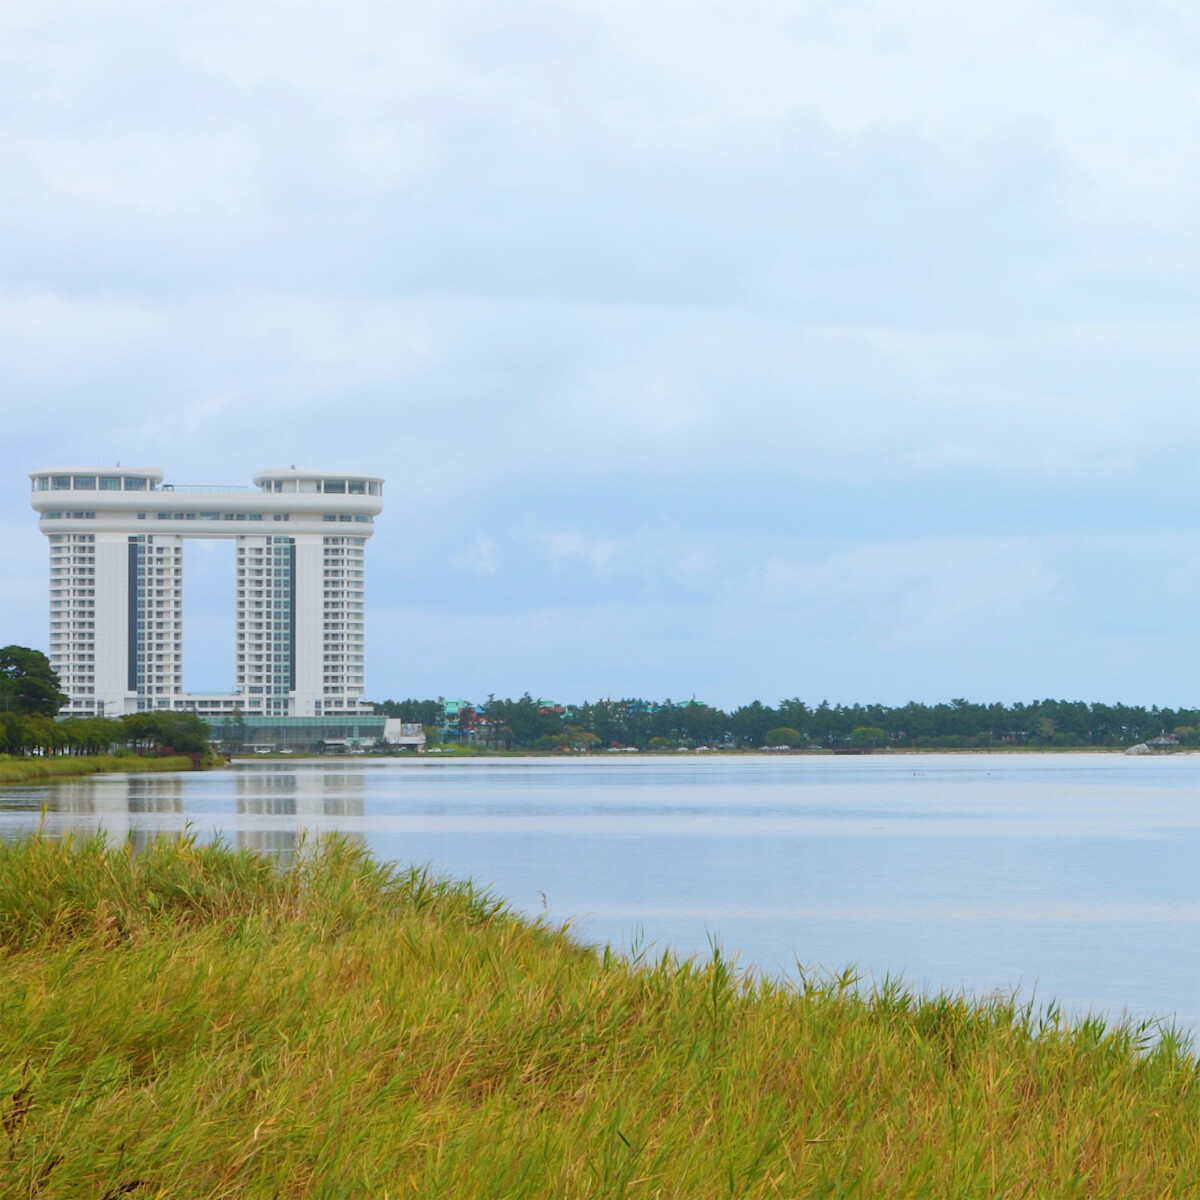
<point x="481" y="557"/>
<point x="731" y="346"/>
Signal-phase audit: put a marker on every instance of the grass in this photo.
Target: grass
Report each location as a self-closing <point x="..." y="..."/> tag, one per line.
<point x="30" y="770"/>
<point x="189" y="1021"/>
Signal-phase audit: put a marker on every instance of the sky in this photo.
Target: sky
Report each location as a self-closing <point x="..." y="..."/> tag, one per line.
<point x="844" y="351"/>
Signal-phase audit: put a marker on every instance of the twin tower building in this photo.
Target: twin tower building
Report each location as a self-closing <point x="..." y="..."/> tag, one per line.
<point x="116" y="588"/>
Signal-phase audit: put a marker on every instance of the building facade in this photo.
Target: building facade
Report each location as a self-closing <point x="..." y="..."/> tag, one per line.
<point x="116" y="588"/>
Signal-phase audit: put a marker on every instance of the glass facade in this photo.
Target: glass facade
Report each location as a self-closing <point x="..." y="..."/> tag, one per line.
<point x="295" y="733"/>
<point x="266" y="612"/>
<point x="154" y="662"/>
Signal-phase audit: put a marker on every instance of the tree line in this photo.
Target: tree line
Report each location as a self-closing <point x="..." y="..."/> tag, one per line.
<point x="151" y="733"/>
<point x="527" y="723"/>
<point x="30" y="698"/>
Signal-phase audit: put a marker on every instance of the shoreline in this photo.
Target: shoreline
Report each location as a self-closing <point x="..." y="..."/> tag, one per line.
<point x="17" y="771"/>
<point x="65" y="766"/>
<point x="910" y="751"/>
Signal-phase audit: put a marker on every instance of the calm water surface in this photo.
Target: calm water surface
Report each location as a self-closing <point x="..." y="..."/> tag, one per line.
<point x="1066" y="876"/>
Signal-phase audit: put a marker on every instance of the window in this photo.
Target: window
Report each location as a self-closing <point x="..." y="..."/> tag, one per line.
<point x="110" y="483"/>
<point x="85" y="483"/>
<point x="357" y="487"/>
<point x="135" y="483"/>
<point x="335" y="487"/>
<point x="60" y="483"/>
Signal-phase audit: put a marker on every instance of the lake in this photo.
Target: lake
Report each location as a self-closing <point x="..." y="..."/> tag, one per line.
<point x="1066" y="876"/>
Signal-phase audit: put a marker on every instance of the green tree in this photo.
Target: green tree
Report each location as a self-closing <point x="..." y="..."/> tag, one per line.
<point x="28" y="683"/>
<point x="170" y="732"/>
<point x="783" y="736"/>
<point x="572" y="738"/>
<point x="751" y="722"/>
<point x="867" y="735"/>
<point x="525" y="719"/>
<point x="414" y="712"/>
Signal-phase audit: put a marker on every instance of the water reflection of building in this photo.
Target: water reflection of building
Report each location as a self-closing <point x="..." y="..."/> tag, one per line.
<point x="273" y="807"/>
<point x="294" y="799"/>
<point x="150" y="794"/>
<point x="344" y="794"/>
<point x="115" y="803"/>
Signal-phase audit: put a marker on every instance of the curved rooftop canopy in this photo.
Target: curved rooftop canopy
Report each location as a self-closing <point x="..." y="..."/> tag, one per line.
<point x="96" y="479"/>
<point x="341" y="483"/>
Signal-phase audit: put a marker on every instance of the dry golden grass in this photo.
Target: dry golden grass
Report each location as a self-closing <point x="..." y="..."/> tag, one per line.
<point x="191" y="1022"/>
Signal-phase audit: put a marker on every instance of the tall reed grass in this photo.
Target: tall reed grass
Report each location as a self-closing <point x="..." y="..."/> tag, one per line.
<point x="189" y="1021"/>
<point x="30" y="770"/>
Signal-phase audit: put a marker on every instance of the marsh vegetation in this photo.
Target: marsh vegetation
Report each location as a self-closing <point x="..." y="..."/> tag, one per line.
<point x="197" y="1022"/>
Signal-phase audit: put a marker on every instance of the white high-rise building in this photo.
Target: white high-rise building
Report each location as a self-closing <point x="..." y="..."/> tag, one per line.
<point x="116" y="587"/>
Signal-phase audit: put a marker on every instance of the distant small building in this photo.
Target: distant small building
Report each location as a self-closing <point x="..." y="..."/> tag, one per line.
<point x="265" y="734"/>
<point x="459" y="720"/>
<point x="404" y="734"/>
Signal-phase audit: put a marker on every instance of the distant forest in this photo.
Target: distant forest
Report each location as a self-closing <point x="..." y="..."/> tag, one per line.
<point x="537" y="724"/>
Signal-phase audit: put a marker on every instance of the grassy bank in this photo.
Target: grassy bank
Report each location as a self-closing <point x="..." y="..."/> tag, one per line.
<point x="190" y="1022"/>
<point x="29" y="770"/>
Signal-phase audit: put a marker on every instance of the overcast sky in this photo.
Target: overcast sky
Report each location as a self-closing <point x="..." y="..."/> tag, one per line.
<point x="838" y="350"/>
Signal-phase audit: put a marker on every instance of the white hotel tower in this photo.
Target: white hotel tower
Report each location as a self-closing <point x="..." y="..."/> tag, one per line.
<point x="116" y="587"/>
